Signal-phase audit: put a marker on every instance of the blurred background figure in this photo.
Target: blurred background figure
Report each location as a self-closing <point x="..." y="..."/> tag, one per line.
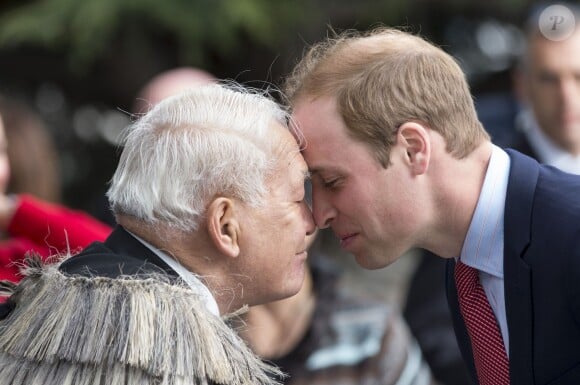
<point x="33" y="157"/>
<point x="29" y="172"/>
<point x="168" y="83"/>
<point x="547" y="83"/>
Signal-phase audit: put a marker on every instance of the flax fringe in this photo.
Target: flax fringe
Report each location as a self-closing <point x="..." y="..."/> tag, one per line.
<point x="124" y="331"/>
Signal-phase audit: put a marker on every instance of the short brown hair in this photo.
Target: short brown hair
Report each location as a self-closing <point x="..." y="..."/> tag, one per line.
<point x="384" y="78"/>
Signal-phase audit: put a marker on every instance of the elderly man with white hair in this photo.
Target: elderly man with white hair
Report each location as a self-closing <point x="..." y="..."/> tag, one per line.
<point x="208" y="196"/>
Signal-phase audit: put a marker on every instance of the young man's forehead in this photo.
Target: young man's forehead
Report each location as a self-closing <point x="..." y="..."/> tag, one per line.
<point x="323" y="172"/>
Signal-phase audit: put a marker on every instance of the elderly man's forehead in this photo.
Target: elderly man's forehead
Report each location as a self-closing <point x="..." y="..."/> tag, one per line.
<point x="298" y="164"/>
<point x="296" y="132"/>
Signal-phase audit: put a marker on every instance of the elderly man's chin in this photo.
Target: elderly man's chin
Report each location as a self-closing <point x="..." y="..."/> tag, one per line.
<point x="295" y="281"/>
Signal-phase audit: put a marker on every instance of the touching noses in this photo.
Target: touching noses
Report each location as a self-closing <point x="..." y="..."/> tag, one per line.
<point x="309" y="221"/>
<point x="322" y="210"/>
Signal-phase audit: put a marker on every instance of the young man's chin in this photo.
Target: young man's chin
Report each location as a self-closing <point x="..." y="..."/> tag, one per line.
<point x="374" y="261"/>
<point x="367" y="262"/>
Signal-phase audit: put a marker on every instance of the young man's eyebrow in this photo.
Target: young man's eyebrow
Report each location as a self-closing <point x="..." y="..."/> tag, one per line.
<point x="313" y="171"/>
<point x="323" y="170"/>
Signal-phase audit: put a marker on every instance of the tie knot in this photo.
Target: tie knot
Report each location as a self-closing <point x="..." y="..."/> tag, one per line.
<point x="466" y="278"/>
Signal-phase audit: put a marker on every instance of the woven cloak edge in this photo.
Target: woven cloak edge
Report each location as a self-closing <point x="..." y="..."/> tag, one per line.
<point x="95" y="330"/>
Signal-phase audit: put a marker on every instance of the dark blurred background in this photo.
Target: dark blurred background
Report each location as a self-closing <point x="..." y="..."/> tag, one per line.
<point x="80" y="63"/>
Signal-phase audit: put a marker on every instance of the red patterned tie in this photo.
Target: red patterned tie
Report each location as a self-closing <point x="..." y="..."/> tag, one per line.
<point x="489" y="354"/>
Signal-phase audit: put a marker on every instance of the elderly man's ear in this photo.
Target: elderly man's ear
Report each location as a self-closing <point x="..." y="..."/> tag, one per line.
<point x="223" y="226"/>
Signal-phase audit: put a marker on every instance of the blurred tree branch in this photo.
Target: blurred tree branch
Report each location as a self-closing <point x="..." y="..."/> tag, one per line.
<point x="86" y="28"/>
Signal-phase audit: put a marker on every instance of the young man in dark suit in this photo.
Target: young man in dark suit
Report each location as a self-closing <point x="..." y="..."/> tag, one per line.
<point x="399" y="160"/>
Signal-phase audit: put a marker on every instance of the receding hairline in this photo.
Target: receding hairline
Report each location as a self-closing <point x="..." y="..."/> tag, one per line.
<point x="352" y="45"/>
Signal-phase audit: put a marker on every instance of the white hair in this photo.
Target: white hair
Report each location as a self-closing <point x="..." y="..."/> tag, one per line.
<point x="205" y="142"/>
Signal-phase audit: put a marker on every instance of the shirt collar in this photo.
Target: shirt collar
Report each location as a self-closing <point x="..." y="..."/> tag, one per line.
<point x="188" y="277"/>
<point x="483" y="245"/>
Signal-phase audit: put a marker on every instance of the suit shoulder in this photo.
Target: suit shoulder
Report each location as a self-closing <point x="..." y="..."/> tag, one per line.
<point x="98" y="260"/>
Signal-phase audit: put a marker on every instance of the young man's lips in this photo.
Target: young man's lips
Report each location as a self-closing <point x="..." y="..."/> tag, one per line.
<point x="345" y="240"/>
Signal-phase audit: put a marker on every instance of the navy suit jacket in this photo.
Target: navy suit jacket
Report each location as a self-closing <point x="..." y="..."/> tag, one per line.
<point x="541" y="276"/>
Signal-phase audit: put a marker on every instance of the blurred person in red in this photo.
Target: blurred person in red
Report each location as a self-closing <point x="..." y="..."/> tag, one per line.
<point x="29" y="186"/>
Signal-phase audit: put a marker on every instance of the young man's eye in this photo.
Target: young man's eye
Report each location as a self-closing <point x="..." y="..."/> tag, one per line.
<point x="330" y="184"/>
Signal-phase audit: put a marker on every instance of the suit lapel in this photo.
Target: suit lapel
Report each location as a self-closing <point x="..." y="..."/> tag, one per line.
<point x="517" y="275"/>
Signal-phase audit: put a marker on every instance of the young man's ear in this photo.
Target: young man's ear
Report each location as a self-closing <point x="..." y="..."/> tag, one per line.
<point x="223" y="226"/>
<point x="414" y="137"/>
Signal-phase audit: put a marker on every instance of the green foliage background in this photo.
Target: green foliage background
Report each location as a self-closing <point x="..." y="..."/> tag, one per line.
<point x="85" y="28"/>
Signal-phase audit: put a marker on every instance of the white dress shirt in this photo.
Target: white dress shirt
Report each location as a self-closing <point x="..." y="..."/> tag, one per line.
<point x="484" y="243"/>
